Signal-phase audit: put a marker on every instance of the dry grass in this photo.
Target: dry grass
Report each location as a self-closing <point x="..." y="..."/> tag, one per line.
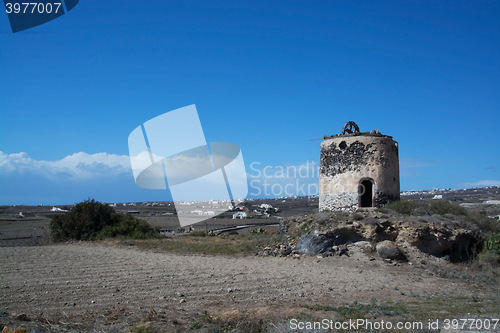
<point x="421" y="309"/>
<point x="230" y="244"/>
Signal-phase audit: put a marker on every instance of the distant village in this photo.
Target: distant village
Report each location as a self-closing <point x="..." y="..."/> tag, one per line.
<point x="241" y="211"/>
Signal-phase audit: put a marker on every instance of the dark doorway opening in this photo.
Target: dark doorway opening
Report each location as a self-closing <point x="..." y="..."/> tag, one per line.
<point x="365" y="192"/>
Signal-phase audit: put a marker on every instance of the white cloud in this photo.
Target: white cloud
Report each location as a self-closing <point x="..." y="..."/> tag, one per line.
<point x="480" y="183"/>
<point x="76" y="166"/>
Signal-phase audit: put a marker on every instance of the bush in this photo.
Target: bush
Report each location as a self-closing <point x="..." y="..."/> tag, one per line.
<point x="487" y="225"/>
<point x="128" y="226"/>
<point x="92" y="219"/>
<point x="196" y="325"/>
<point x="405" y="207"/>
<point x="488" y="257"/>
<point x="442" y="207"/>
<point x="258" y="231"/>
<point x="82" y="222"/>
<point x="493" y="243"/>
<point x="197" y="233"/>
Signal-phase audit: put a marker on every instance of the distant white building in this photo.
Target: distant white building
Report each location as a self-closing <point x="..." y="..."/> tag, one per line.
<point x="492" y="202"/>
<point x="241" y="215"/>
<point x="57" y="209"/>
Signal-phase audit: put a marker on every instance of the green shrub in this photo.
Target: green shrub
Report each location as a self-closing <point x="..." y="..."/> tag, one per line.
<point x="405" y="207"/>
<point x="82" y="222"/>
<point x="486" y="224"/>
<point x="128" y="226"/>
<point x="442" y="207"/>
<point x="488" y="257"/>
<point x="92" y="219"/>
<point x="197" y="233"/>
<point x="258" y="231"/>
<point x="493" y="243"/>
<point x="196" y="325"/>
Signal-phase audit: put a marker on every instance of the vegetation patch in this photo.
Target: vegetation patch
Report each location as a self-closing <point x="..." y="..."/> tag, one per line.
<point x="128" y="226"/>
<point x="224" y="244"/>
<point x="487" y="225"/>
<point x="359" y="311"/>
<point x="493" y="243"/>
<point x="417" y="308"/>
<point x="90" y="220"/>
<point x="231" y="324"/>
<point x="443" y="207"/>
<point x="405" y="207"/>
<point x="197" y="233"/>
<point x="141" y="329"/>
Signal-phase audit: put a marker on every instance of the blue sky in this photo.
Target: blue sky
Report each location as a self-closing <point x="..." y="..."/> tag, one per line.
<point x="267" y="76"/>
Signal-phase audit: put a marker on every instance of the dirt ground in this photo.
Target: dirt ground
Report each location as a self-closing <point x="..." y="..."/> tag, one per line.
<point x="111" y="287"/>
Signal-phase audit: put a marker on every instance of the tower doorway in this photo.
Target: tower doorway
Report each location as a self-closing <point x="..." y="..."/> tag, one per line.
<point x="365" y="193"/>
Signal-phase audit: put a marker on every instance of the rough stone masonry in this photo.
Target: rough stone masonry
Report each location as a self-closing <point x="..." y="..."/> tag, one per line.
<point x="358" y="169"/>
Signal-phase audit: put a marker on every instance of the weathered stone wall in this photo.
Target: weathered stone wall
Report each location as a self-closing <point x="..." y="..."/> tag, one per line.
<point x="346" y="160"/>
<point x="338" y="201"/>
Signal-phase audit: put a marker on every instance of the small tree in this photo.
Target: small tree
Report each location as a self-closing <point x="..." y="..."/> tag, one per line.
<point x="82" y="222"/>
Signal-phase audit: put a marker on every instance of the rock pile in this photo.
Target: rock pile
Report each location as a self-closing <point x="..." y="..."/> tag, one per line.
<point x="279" y="250"/>
<point x="394" y="237"/>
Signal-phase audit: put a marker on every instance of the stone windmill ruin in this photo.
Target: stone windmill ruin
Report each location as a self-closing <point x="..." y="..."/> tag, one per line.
<point x="358" y="169"/>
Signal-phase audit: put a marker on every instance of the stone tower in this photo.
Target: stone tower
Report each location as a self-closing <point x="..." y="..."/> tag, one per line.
<point x="358" y="169"/>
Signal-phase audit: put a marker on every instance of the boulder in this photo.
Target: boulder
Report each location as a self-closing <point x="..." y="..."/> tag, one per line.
<point x="314" y="243"/>
<point x="389" y="250"/>
<point x="285" y="250"/>
<point x="362" y="246"/>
